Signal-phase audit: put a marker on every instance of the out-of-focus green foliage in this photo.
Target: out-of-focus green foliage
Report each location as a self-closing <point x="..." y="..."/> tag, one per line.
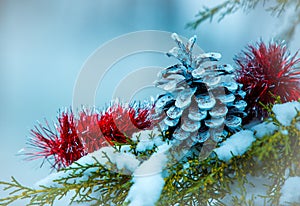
<point x="227" y="7"/>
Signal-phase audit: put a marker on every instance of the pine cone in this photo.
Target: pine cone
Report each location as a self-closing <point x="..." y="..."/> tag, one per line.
<point x="202" y="99"/>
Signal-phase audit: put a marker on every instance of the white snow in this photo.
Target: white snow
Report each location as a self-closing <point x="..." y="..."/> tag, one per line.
<point x="155" y="164"/>
<point x="148" y="179"/>
<point x="49" y="180"/>
<point x="284" y="132"/>
<point x="126" y="161"/>
<point x="122" y="161"/>
<point x="263" y="129"/>
<point x="146" y="190"/>
<point x="290" y="191"/>
<point x="235" y="145"/>
<point x="147" y="139"/>
<point x="286" y="112"/>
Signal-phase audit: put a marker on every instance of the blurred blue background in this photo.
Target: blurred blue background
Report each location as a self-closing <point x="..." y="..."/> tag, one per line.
<point x="43" y="45"/>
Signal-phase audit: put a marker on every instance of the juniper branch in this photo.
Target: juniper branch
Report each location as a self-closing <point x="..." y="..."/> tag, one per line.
<point x="210" y="179"/>
<point x="228" y="7"/>
<point x="99" y="180"/>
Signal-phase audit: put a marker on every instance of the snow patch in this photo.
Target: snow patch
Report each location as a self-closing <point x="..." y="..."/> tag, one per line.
<point x="146" y="190"/>
<point x="284" y="132"/>
<point x="148" y="179"/>
<point x="290" y="191"/>
<point x="147" y="139"/>
<point x="286" y="112"/>
<point x="49" y="180"/>
<point x="122" y="161"/>
<point x="263" y="129"/>
<point x="235" y="145"/>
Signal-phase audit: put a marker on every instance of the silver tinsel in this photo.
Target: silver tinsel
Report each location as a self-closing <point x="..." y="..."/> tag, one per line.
<point x="202" y="99"/>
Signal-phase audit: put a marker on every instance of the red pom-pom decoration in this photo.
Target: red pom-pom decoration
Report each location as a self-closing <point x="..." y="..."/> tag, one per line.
<point x="267" y="71"/>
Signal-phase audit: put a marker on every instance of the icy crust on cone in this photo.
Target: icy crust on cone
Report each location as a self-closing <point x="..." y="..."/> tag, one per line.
<point x="201" y="95"/>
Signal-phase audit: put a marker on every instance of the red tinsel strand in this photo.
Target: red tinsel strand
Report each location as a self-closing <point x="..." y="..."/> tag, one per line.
<point x="75" y="138"/>
<point x="71" y="148"/>
<point x="119" y="122"/>
<point x="63" y="145"/>
<point x="89" y="131"/>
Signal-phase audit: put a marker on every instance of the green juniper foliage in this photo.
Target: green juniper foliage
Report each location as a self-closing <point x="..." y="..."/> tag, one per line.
<point x="113" y="187"/>
<point x="192" y="182"/>
<point x="227" y="7"/>
<point x="208" y="181"/>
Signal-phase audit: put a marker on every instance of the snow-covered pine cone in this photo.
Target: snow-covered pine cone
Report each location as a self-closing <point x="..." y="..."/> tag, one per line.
<point x="202" y="99"/>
